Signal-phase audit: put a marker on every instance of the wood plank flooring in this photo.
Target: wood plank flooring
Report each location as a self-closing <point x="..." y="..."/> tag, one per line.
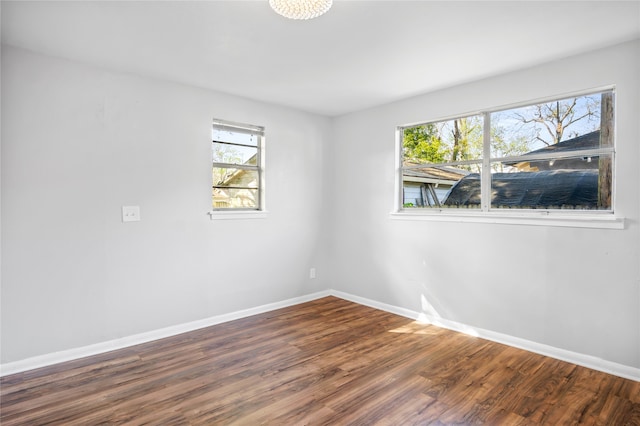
<point x="326" y="362"/>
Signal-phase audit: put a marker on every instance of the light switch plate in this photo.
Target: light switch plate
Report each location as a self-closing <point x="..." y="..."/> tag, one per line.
<point x="130" y="213"/>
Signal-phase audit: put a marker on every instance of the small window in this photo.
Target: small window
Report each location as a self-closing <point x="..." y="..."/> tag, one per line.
<point x="236" y="152"/>
<point x="550" y="156"/>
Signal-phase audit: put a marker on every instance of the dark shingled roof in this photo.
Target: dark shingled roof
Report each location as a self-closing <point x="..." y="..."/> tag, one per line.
<point x="545" y="189"/>
<point x="587" y="141"/>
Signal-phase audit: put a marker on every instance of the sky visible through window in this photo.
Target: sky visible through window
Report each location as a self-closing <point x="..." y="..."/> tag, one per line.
<point x="538" y="126"/>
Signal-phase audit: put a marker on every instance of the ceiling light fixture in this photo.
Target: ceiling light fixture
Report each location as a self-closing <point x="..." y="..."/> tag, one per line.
<point x="300" y="9"/>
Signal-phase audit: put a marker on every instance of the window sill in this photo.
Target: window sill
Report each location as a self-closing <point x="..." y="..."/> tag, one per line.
<point x="240" y="214"/>
<point x="601" y="221"/>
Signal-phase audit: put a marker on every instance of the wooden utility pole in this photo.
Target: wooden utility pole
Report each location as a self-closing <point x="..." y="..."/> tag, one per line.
<point x="605" y="180"/>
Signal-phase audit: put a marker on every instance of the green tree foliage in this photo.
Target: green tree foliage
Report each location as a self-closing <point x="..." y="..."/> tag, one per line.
<point x="466" y="138"/>
<point x="422" y="144"/>
<point x="501" y="146"/>
<point x="454" y="140"/>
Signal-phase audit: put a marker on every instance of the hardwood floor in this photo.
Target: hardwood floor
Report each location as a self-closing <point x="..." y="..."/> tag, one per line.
<point x="326" y="362"/>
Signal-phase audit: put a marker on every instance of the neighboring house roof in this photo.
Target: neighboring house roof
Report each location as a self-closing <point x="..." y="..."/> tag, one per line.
<point x="545" y="189"/>
<point x="433" y="174"/>
<point x="586" y="141"/>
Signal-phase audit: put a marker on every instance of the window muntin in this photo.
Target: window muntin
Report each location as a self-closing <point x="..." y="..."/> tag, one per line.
<point x="236" y="151"/>
<point x="551" y="156"/>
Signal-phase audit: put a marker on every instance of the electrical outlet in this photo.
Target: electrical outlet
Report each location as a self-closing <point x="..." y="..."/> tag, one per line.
<point x="130" y="213"/>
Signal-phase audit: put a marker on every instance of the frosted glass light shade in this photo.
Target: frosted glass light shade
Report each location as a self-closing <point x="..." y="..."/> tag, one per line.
<point x="300" y="9"/>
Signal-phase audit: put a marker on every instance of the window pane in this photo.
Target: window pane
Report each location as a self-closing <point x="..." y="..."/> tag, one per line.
<point x="443" y="141"/>
<point x="577" y="183"/>
<point x="234" y="154"/>
<point x="430" y="186"/>
<point x="465" y="193"/>
<point x="233" y="198"/>
<point x="222" y="135"/>
<point x="229" y="177"/>
<point x="560" y="126"/>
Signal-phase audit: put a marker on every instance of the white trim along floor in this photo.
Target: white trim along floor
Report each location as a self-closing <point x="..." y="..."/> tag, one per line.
<point x="594" y="363"/>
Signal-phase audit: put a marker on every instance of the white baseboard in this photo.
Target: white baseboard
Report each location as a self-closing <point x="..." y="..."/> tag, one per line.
<point x="588" y="361"/>
<point x="124" y="342"/>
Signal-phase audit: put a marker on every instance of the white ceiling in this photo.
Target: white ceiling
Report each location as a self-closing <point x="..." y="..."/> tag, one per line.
<point x="360" y="54"/>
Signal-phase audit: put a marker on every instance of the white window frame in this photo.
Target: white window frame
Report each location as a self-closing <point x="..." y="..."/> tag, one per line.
<point x="486" y="214"/>
<point x="239" y="212"/>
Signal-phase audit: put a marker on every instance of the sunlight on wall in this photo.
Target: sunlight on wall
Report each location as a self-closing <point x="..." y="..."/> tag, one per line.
<point x="428" y="317"/>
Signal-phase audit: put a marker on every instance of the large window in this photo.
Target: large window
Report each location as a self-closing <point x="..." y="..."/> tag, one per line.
<point x="552" y="156"/>
<point x="237" y="173"/>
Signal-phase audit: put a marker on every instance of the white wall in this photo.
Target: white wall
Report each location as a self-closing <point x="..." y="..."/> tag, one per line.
<point x="570" y="288"/>
<point x="77" y="144"/>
